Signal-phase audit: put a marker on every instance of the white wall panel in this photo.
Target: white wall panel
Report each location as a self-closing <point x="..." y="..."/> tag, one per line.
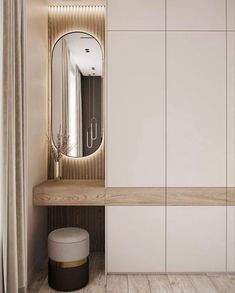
<point x="196" y="239"/>
<point x="136" y="15"/>
<point x="135" y="239"/>
<point x="196" y="109"/>
<point x="231" y="109"/>
<point x="231" y="239"/>
<point x="231" y="14"/>
<point x="231" y="149"/>
<point x="196" y="14"/>
<point x="136" y="109"/>
<point x="2" y="175"/>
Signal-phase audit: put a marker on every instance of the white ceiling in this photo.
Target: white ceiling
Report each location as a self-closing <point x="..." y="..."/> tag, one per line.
<point x="76" y="2"/>
<point x="77" y="44"/>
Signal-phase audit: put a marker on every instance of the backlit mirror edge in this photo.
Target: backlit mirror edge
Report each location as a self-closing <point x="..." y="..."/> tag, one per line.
<point x="103" y="93"/>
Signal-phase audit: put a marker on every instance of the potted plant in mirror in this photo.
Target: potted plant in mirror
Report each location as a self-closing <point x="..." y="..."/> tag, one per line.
<point x="59" y="148"/>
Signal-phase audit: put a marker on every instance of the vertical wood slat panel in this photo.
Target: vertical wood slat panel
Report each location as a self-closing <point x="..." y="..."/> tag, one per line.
<point x="89" y="218"/>
<point x="91" y="20"/>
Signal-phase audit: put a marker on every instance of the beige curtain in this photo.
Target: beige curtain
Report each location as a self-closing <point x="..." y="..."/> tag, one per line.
<point x="1" y="139"/>
<point x="79" y="145"/>
<point x="14" y="233"/>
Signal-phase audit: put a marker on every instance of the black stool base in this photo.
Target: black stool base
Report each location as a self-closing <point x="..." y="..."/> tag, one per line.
<point x="67" y="279"/>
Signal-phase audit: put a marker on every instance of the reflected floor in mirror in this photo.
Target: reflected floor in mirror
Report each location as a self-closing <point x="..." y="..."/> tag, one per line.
<point x="142" y="283"/>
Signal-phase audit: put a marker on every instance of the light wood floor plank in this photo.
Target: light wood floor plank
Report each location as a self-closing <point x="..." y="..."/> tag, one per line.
<point x="172" y="283"/>
<point x="152" y="283"/>
<point x="203" y="284"/>
<point x="159" y="284"/>
<point x="117" y="284"/>
<point x="181" y="284"/>
<point x="46" y="289"/>
<point x="138" y="284"/>
<point x="37" y="282"/>
<point x="232" y="277"/>
<point x="97" y="261"/>
<point x="222" y="283"/>
<point x="97" y="282"/>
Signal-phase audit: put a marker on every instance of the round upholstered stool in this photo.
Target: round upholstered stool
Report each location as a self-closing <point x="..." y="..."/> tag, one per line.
<point x="68" y="265"/>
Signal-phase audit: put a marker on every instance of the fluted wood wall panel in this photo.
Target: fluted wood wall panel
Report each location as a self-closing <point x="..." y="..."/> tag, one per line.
<point x="90" y="218"/>
<point x="65" y="19"/>
<point x="62" y="20"/>
<point x="91" y="20"/>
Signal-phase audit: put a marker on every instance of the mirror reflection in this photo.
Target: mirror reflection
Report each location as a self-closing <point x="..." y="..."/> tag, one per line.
<point x="77" y="66"/>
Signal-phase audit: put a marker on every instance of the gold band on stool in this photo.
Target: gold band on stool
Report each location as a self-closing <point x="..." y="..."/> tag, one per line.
<point x="70" y="264"/>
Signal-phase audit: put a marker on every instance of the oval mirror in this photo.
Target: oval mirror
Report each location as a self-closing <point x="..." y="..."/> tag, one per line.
<point x="77" y="68"/>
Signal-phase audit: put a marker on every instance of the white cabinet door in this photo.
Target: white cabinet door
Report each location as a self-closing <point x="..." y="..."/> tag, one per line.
<point x="196" y="239"/>
<point x="196" y="14"/>
<point x="196" y="109"/>
<point x="231" y="14"/>
<point x="231" y="147"/>
<point x="231" y="239"/>
<point x="135" y="239"/>
<point x="231" y="108"/>
<point x="136" y="15"/>
<point x="135" y="153"/>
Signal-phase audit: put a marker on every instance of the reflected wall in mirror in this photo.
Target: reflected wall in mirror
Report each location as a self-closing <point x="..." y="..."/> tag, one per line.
<point x="77" y="68"/>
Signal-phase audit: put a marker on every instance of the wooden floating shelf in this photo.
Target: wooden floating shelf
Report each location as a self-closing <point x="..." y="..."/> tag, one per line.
<point x="94" y="193"/>
<point x="231" y="196"/>
<point x="196" y="196"/>
<point x="135" y="196"/>
<point x="69" y="192"/>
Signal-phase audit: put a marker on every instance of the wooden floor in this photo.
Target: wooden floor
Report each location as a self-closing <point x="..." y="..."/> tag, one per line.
<point x="171" y="283"/>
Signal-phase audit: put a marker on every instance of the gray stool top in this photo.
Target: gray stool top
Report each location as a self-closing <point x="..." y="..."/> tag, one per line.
<point x="68" y="235"/>
<point x="68" y="244"/>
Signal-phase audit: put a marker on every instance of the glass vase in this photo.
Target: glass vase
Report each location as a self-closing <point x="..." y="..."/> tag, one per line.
<point x="57" y="170"/>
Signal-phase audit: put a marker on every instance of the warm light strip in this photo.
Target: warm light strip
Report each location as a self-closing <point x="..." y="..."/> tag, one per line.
<point x="69" y="18"/>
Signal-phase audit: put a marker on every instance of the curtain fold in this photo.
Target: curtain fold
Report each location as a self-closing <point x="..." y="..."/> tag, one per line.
<point x="1" y="139"/>
<point x="14" y="233"/>
<point x="79" y="145"/>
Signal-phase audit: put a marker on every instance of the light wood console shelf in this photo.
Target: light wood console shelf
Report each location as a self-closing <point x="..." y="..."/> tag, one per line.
<point x="69" y="193"/>
<point x="135" y="196"/>
<point x="94" y="193"/>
